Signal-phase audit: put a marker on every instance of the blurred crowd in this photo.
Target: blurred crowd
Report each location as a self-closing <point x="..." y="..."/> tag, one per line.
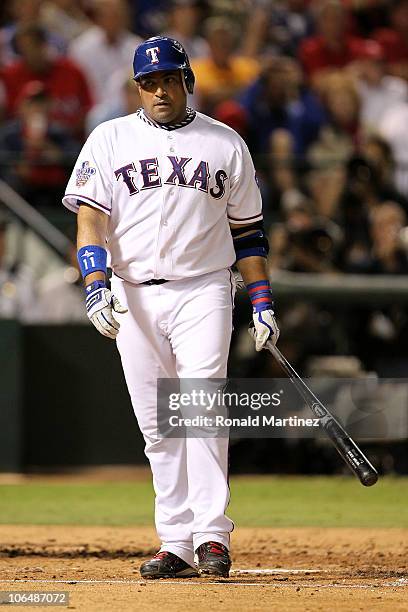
<point x="317" y="88"/>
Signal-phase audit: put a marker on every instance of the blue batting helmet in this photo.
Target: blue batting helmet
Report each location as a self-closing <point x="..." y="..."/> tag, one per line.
<point x="163" y="53"/>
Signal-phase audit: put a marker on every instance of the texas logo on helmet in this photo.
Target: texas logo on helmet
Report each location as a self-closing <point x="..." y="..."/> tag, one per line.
<point x="163" y="53"/>
<point x="153" y="53"/>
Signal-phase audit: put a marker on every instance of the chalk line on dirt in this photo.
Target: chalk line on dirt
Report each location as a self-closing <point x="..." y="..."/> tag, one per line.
<point x="277" y="570"/>
<point x="400" y="582"/>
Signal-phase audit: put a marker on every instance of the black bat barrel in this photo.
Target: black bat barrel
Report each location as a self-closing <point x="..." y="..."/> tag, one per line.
<point x="350" y="452"/>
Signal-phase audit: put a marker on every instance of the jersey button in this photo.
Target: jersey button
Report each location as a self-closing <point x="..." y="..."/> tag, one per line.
<point x="171" y="149"/>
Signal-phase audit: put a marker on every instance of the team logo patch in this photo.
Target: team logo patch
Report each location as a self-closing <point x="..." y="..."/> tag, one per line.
<point x="153" y="54"/>
<point x="84" y="173"/>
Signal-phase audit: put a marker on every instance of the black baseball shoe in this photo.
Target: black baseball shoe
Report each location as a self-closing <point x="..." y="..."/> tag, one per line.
<point x="165" y="564"/>
<point x="213" y="559"/>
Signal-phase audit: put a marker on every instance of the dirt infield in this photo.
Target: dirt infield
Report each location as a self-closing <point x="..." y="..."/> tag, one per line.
<point x="274" y="569"/>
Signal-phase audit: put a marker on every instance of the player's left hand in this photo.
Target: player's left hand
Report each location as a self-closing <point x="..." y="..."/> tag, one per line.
<point x="265" y="328"/>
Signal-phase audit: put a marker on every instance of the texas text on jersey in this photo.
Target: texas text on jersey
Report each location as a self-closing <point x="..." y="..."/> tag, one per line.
<point x="170" y="194"/>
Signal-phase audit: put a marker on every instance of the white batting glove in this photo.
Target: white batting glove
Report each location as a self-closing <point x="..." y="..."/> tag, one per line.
<point x="266" y="328"/>
<point x="100" y="304"/>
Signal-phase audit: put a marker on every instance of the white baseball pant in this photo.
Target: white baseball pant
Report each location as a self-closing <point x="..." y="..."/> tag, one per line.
<point x="180" y="329"/>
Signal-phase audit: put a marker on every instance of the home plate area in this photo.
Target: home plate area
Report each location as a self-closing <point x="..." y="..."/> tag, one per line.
<point x="274" y="569"/>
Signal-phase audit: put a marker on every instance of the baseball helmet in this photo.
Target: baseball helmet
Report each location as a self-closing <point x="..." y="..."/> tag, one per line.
<point x="163" y="53"/>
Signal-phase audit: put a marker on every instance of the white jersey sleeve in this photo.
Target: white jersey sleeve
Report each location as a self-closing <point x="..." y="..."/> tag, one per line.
<point x="244" y="203"/>
<point x="91" y="178"/>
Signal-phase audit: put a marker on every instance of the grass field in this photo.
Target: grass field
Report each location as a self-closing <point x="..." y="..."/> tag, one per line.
<point x="258" y="501"/>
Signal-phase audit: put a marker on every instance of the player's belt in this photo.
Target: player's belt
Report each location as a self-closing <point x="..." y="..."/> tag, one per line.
<point x="155" y="281"/>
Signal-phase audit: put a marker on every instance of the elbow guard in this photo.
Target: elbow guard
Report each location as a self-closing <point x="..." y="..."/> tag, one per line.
<point x="254" y="245"/>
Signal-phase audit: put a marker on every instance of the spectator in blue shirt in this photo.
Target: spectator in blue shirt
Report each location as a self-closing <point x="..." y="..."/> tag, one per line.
<point x="278" y="100"/>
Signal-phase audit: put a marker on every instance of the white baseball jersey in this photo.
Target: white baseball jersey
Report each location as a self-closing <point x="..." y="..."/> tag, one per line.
<point x="169" y="192"/>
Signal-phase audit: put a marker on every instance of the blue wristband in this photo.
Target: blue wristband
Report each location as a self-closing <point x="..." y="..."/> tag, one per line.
<point x="92" y="258"/>
<point x="260" y="295"/>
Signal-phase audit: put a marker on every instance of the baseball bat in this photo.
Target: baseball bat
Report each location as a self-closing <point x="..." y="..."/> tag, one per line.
<point x="347" y="448"/>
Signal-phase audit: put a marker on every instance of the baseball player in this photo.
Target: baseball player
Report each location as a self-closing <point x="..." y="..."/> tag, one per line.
<point x="171" y="195"/>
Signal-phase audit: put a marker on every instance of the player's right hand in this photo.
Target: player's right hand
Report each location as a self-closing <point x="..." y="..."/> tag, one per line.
<point x="100" y="304"/>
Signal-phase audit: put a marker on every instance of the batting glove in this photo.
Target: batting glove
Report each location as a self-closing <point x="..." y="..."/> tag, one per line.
<point x="100" y="303"/>
<point x="266" y="328"/>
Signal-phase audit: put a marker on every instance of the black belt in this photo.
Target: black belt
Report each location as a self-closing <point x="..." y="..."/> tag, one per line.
<point x="155" y="281"/>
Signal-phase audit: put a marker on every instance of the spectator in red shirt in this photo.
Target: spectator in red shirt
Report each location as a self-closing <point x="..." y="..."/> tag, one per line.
<point x="66" y="84"/>
<point x="332" y="47"/>
<point x="35" y="152"/>
<point x="394" y="39"/>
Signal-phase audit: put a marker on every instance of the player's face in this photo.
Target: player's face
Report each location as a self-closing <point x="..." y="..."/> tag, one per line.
<point x="163" y="96"/>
